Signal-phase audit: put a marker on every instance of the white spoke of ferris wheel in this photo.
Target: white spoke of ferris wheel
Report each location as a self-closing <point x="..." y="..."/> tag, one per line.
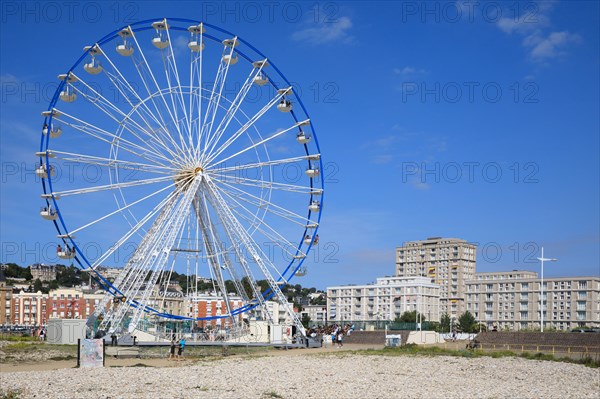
<point x="106" y="106"/>
<point x="245" y="127"/>
<point x="171" y="230"/>
<point x="176" y="73"/>
<point x="270" y="232"/>
<point x="233" y="107"/>
<point x="120" y="209"/>
<point x="98" y="133"/>
<point x="227" y="217"/>
<point x="134" y="229"/>
<point x="212" y="251"/>
<point x="268" y="206"/>
<point x="113" y="163"/>
<point x="126" y="83"/>
<point x="215" y="99"/>
<point x="236" y="245"/>
<point x="147" y="66"/>
<point x="134" y="267"/>
<point x="137" y="110"/>
<point x="106" y="187"/>
<point x="274" y="162"/>
<point x="244" y="181"/>
<point x="136" y="270"/>
<point x="197" y="63"/>
<point x="224" y="253"/>
<point x="132" y="270"/>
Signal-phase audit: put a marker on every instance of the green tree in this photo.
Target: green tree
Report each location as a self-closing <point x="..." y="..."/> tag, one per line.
<point x="68" y="276"/>
<point x="411" y="317"/>
<point x="37" y="285"/>
<point x="305" y="320"/>
<point x="27" y="274"/>
<point x="466" y="322"/>
<point x="445" y="323"/>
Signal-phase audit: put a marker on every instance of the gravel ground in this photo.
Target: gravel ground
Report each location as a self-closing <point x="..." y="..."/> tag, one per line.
<point x="318" y="376"/>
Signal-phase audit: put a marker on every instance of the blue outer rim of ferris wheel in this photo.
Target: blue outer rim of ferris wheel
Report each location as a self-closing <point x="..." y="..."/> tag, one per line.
<point x="107" y="285"/>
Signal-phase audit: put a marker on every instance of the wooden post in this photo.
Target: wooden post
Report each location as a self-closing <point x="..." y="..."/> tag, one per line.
<point x="78" y="351"/>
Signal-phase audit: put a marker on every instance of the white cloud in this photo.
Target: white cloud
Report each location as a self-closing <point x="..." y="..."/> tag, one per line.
<point x="408" y="70"/>
<point x="533" y="25"/>
<point x="326" y="32"/>
<point x="553" y="45"/>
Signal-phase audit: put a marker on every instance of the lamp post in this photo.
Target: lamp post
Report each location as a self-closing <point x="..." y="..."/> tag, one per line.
<point x="542" y="260"/>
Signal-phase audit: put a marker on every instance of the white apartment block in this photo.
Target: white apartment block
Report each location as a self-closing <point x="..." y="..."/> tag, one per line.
<point x="449" y="262"/>
<point x="511" y="300"/>
<point x="317" y="314"/>
<point x="386" y="299"/>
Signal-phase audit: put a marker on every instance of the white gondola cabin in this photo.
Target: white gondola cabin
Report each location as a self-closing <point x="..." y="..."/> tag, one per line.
<point x="314" y="206"/>
<point x="68" y="95"/>
<point x="125" y="49"/>
<point x="48" y="213"/>
<point x="54" y="131"/>
<point x="261" y="79"/>
<point x="93" y="67"/>
<point x="314" y="240"/>
<point x="312" y="172"/>
<point x="42" y="171"/>
<point x="302" y="137"/>
<point x="196" y="44"/>
<point x="230" y="59"/>
<point x="284" y="105"/>
<point x="160" y="40"/>
<point x="65" y="253"/>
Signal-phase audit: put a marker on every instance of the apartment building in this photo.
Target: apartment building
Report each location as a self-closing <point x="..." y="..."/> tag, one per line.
<point x="211" y="306"/>
<point x="5" y="300"/>
<point x="450" y="262"/>
<point x="512" y="300"/>
<point x="316" y="313"/>
<point x="385" y="299"/>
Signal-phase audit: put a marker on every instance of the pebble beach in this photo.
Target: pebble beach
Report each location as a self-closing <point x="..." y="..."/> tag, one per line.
<point x="306" y="375"/>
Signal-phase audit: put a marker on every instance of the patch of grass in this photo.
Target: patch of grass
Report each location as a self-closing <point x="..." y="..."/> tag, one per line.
<point x="18" y="338"/>
<point x="272" y="394"/>
<point x="413" y="349"/>
<point x="65" y="357"/>
<point x="11" y="394"/>
<point x="201" y="388"/>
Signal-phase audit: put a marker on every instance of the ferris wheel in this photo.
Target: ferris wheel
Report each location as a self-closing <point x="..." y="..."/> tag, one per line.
<point x="175" y="147"/>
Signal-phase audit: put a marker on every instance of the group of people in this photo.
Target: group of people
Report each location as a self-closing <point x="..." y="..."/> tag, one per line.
<point x="180" y="346"/>
<point x="333" y="334"/>
<point x="67" y="249"/>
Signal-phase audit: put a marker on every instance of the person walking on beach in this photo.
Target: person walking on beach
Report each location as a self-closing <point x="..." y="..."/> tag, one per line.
<point x="340" y="338"/>
<point x="181" y="348"/>
<point x="172" y="351"/>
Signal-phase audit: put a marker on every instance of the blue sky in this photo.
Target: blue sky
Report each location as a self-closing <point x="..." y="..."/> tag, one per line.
<point x="471" y="120"/>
